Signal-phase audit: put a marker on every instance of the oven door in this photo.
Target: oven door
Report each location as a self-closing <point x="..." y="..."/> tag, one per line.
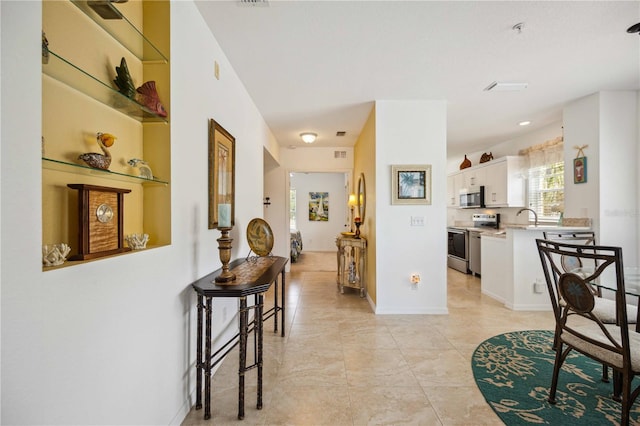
<point x="458" y="249"/>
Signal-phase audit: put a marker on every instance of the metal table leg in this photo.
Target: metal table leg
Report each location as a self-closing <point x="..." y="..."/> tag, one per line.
<point x="283" y="316"/>
<point x="207" y="362"/>
<point x="259" y="327"/>
<point x="244" y="314"/>
<point x="199" y="365"/>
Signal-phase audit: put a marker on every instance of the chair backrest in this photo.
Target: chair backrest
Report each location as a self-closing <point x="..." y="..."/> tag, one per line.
<point x="571" y="237"/>
<point x="573" y="289"/>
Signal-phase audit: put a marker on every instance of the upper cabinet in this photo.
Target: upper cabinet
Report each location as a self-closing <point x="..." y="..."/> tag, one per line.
<point x="86" y="42"/>
<point x="503" y="181"/>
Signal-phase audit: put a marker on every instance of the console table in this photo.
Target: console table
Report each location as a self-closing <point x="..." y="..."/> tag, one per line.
<point x="254" y="276"/>
<point x="352" y="256"/>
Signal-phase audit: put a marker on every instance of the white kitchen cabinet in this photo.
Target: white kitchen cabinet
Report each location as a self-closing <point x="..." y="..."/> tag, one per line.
<point x="504" y="183"/>
<point x="472" y="179"/>
<point x="455" y="182"/>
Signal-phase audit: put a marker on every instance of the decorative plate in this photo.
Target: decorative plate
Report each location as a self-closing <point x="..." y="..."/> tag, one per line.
<point x="260" y="237"/>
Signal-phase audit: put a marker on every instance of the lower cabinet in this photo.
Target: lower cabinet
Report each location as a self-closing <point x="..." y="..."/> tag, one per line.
<point x="352" y="257"/>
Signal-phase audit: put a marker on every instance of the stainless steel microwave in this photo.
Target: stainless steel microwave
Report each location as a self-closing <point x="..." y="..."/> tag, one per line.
<point x="471" y="200"/>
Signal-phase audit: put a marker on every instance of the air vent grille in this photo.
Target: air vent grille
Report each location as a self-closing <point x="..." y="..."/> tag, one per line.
<point x="263" y="3"/>
<point x="339" y="154"/>
<point x="341" y="133"/>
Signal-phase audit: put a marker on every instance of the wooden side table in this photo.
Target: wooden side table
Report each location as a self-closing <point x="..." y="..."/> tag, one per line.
<point x="352" y="258"/>
<point x="252" y="278"/>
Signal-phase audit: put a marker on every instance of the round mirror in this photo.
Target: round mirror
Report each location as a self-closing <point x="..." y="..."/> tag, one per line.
<point x="362" y="197"/>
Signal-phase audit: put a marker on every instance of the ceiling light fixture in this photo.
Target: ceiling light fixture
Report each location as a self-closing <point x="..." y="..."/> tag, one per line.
<point x="634" y="28"/>
<point x="497" y="86"/>
<point x="308" y="137"/>
<point x="524" y="123"/>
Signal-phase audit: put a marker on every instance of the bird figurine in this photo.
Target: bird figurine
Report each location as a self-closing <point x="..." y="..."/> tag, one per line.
<point x="100" y="161"/>
<point x="145" y="170"/>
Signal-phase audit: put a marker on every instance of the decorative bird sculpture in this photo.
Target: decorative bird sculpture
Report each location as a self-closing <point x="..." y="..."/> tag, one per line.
<point x="143" y="166"/>
<point x="100" y="161"/>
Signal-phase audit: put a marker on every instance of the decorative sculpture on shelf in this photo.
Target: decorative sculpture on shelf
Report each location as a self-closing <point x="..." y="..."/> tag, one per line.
<point x="143" y="166"/>
<point x="465" y="163"/>
<point x="357" y="222"/>
<point x="45" y="49"/>
<point x="124" y="81"/>
<point x="486" y="157"/>
<point x="148" y="96"/>
<point x="137" y="241"/>
<point x="55" y="254"/>
<point x="100" y="161"/>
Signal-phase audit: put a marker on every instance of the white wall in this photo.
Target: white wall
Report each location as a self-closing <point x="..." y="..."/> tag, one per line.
<point x="607" y="122"/>
<point x="403" y="249"/>
<point x="112" y="341"/>
<point x="318" y="235"/>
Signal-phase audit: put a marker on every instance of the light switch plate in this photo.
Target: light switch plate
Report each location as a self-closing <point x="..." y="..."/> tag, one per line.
<point x="417" y="220"/>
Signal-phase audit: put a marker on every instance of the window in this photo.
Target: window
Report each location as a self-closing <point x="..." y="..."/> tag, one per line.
<point x="546" y="190"/>
<point x="292" y="209"/>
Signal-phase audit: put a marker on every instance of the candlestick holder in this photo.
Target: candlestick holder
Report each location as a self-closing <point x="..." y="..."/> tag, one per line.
<point x="224" y="247"/>
<point x="358" y="223"/>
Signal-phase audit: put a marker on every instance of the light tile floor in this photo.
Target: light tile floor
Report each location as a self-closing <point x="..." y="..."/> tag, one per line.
<point x="340" y="364"/>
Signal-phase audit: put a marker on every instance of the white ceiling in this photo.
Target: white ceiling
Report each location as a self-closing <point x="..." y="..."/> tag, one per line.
<point x="319" y="65"/>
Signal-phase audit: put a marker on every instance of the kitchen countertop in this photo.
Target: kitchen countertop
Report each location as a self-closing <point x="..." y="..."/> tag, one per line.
<point x="502" y="232"/>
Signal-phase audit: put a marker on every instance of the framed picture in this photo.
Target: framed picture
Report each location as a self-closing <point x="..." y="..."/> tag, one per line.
<point x="411" y="184"/>
<point x="222" y="180"/>
<point x="319" y="206"/>
<point x="580" y="170"/>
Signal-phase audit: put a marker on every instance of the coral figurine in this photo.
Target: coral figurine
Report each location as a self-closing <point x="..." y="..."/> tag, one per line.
<point x="100" y="161"/>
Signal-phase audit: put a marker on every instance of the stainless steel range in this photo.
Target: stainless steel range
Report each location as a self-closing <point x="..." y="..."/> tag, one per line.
<point x="463" y="253"/>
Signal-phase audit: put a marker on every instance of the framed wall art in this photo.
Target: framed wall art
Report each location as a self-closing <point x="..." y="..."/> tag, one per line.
<point x="411" y="184"/>
<point x="319" y="206"/>
<point x="222" y="167"/>
<point x="580" y="170"/>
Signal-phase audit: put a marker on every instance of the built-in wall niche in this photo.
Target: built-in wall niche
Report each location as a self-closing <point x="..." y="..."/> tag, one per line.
<point x="79" y="99"/>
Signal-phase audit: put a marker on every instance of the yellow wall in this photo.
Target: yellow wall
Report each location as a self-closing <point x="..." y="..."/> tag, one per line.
<point x="71" y="119"/>
<point x="364" y="162"/>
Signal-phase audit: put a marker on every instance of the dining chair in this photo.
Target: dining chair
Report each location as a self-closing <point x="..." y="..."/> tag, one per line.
<point x="605" y="308"/>
<point x="578" y="327"/>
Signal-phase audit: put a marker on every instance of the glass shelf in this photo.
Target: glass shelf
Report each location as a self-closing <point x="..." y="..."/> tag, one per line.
<point x="121" y="29"/>
<point x="63" y="166"/>
<point x="64" y="71"/>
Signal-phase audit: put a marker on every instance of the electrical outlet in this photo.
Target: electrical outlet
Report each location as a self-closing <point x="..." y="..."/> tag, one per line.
<point x="538" y="286"/>
<point x="415" y="278"/>
<point x="216" y="70"/>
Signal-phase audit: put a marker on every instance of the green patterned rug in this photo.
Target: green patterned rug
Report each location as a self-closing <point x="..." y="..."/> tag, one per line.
<point x="513" y="371"/>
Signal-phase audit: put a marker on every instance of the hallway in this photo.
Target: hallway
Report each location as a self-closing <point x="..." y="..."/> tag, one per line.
<point x="340" y="364"/>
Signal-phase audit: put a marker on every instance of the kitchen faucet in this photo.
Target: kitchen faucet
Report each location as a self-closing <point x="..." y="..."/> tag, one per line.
<point x="535" y="215"/>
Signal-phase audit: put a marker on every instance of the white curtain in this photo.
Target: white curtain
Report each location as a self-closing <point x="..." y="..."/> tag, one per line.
<point x="549" y="152"/>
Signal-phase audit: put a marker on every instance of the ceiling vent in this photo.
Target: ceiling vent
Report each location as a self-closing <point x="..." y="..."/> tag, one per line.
<point x="262" y="3"/>
<point x="341" y="133"/>
<point x="497" y="86"/>
<point x="339" y="154"/>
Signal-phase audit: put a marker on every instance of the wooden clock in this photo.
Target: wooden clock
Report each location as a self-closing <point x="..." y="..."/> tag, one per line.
<point x="100" y="221"/>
